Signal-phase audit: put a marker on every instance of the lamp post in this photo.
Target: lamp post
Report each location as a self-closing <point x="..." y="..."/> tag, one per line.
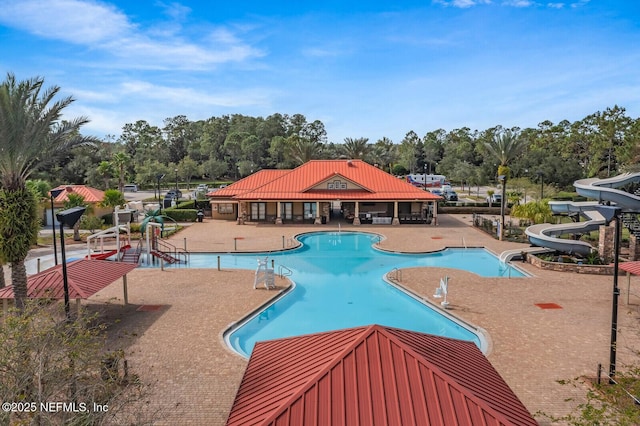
<point x="541" y="177"/>
<point x="176" y="170"/>
<point x="158" y="177"/>
<point x="610" y="213"/>
<point x="503" y="179"/>
<point x="54" y="194"/>
<point x="67" y="217"/>
<point x="424" y="185"/>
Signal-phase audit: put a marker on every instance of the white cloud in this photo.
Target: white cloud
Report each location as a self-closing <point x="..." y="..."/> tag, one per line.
<point x="100" y="26"/>
<point x="518" y="3"/>
<point x="555" y="5"/>
<point x="463" y="4"/>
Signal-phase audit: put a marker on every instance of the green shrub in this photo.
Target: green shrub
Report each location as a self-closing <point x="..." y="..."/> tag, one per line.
<point x="190" y="204"/>
<point x="91" y="223"/>
<point x="107" y="219"/>
<point x="181" y="215"/>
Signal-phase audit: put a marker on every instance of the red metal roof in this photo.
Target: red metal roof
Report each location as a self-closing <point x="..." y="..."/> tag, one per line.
<point x="85" y="278"/>
<point x="631" y="267"/>
<point x="370" y="183"/>
<point x="90" y="195"/>
<point x="248" y="183"/>
<point x="373" y="375"/>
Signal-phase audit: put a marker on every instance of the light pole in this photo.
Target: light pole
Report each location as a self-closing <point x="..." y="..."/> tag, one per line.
<point x="158" y="177"/>
<point x="610" y="213"/>
<point x="424" y="186"/>
<point x="541" y="177"/>
<point x="176" y="170"/>
<point x="67" y="217"/>
<point x="54" y="194"/>
<point x="503" y="179"/>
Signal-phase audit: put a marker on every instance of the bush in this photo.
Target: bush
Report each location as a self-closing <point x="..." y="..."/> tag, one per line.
<point x="181" y="215"/>
<point x="107" y="219"/>
<point x="91" y="223"/>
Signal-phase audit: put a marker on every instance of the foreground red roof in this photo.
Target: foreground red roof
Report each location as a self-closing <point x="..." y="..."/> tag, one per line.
<point x="373" y="375"/>
<point x="312" y="181"/>
<point x="631" y="267"/>
<point x="85" y="278"/>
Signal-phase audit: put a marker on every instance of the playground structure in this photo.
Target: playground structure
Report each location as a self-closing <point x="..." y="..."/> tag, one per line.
<point x="621" y="191"/>
<point x="122" y="251"/>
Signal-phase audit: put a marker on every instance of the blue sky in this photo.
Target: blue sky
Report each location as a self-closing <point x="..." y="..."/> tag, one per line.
<point x="364" y="68"/>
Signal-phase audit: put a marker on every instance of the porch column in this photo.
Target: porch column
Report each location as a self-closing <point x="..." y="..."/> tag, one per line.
<point x="278" y="213"/>
<point x="396" y="220"/>
<point x="241" y="213"/>
<point x="317" y="220"/>
<point x="435" y="213"/>
<point x="356" y="214"/>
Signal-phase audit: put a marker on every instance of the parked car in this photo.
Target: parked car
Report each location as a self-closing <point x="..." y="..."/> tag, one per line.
<point x="130" y="187"/>
<point x="495" y="199"/>
<point x="451" y="196"/>
<point x="173" y="193"/>
<point x="436" y="191"/>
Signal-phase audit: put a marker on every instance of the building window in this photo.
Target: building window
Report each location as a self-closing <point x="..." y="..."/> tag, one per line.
<point x="336" y="184"/>
<point x="287" y="211"/>
<point x="226" y="208"/>
<point x="309" y="210"/>
<point x="258" y="211"/>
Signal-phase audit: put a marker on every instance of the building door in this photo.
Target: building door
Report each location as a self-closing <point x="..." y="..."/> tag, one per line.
<point x="287" y="211"/>
<point x="309" y="210"/>
<point x="258" y="211"/>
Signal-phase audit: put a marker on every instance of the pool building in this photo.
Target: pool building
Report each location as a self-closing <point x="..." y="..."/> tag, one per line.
<point x="320" y="191"/>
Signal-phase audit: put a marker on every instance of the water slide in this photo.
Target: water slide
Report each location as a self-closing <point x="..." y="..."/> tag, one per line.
<point x="603" y="190"/>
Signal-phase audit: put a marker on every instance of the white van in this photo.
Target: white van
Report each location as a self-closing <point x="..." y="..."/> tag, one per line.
<point x="131" y="187"/>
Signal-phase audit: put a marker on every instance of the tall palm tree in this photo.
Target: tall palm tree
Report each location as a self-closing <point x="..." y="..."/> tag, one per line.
<point x="356" y="149"/>
<point x="120" y="161"/>
<point x="31" y="134"/>
<point x="301" y="150"/>
<point x="505" y="146"/>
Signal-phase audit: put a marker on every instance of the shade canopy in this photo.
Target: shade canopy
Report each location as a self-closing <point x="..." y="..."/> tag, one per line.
<point x="85" y="277"/>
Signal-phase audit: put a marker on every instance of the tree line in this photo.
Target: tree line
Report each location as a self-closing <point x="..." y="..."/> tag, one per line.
<point x="233" y="146"/>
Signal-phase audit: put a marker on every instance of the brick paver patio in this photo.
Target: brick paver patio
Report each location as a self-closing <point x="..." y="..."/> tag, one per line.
<point x="177" y="347"/>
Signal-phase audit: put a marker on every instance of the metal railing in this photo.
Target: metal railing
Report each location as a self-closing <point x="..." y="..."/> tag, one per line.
<point x="283" y="271"/>
<point x="396" y="274"/>
<point x="180" y="254"/>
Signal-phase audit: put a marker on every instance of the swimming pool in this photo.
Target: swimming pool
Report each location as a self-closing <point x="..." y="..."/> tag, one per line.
<point x="339" y="283"/>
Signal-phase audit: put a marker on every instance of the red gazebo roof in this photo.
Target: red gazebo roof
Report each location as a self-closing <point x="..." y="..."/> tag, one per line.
<point x="85" y="278"/>
<point x="373" y="375"/>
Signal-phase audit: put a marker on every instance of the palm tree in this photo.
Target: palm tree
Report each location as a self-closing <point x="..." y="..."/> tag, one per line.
<point x="301" y="150"/>
<point x="120" y="161"/>
<point x="31" y="134"/>
<point x="356" y="149"/>
<point x="505" y="146"/>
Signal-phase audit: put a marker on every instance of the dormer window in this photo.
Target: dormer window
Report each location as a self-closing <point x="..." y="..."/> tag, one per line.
<point x="337" y="184"/>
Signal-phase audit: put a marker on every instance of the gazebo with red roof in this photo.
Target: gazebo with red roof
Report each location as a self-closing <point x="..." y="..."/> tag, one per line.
<point x="85" y="277"/>
<point x="315" y="191"/>
<point x="373" y="375"/>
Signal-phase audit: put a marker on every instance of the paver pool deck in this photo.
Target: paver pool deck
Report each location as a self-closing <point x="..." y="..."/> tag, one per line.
<point x="172" y="329"/>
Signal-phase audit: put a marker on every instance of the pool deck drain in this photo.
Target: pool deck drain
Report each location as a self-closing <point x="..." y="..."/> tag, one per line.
<point x="548" y="305"/>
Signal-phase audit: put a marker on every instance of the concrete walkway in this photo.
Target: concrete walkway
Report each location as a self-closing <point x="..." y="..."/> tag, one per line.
<point x="172" y="329"/>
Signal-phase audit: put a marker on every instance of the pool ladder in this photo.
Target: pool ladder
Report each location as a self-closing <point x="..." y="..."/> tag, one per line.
<point x="283" y="271"/>
<point x="396" y="275"/>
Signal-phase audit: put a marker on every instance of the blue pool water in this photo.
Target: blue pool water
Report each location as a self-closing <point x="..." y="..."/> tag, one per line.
<point x="339" y="284"/>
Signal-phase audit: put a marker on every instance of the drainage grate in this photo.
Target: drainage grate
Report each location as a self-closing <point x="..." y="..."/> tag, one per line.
<point x="548" y="306"/>
<point x="149" y="308"/>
